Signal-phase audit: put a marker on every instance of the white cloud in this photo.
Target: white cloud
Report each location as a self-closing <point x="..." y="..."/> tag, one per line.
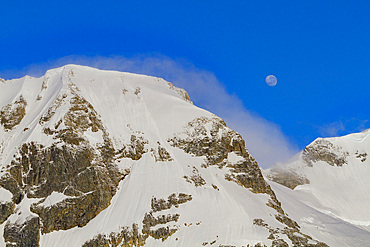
<point x="342" y="127"/>
<point x="264" y="139"/>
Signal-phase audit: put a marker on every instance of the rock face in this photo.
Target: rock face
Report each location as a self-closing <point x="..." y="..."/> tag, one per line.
<point x="6" y="209"/>
<point x="98" y="158"/>
<point x="324" y="150"/>
<point x="132" y="237"/>
<point x="13" y="113"/>
<point x="26" y="234"/>
<point x="216" y="143"/>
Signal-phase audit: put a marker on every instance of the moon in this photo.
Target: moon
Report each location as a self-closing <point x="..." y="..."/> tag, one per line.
<point x="271" y="80"/>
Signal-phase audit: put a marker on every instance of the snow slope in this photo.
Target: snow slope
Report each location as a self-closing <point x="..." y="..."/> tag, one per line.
<point x="302" y="206"/>
<point x="334" y="183"/>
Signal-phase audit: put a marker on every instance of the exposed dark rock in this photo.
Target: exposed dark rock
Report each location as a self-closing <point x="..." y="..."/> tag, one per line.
<point x="134" y="150"/>
<point x="127" y="237"/>
<point x="215" y="187"/>
<point x="24" y="235"/>
<point x="9" y="183"/>
<point x="137" y="91"/>
<point x="132" y="237"/>
<point x="173" y="200"/>
<point x="12" y="114"/>
<point x="195" y="178"/>
<point x="85" y="173"/>
<point x="150" y="221"/>
<point x="361" y="156"/>
<point x="51" y="111"/>
<point x="289" y="179"/>
<point x="184" y="95"/>
<point x="279" y="243"/>
<point x="161" y="154"/>
<point x="216" y="148"/>
<point x="291" y="231"/>
<point x="248" y="174"/>
<point x="39" y="171"/>
<point x="6" y="209"/>
<point x="324" y="150"/>
<point x="216" y="142"/>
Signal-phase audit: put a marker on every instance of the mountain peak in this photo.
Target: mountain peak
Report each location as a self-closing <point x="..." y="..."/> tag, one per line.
<point x="92" y="157"/>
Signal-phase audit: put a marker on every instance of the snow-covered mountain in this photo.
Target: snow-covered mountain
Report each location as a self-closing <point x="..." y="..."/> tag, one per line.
<point x="330" y="177"/>
<point x="104" y="158"/>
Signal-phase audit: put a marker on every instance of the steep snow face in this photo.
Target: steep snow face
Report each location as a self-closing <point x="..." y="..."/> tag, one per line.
<point x="303" y="207"/>
<point x="95" y="158"/>
<point x="334" y="173"/>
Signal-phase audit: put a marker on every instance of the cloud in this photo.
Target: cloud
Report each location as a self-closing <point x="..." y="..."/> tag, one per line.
<point x="264" y="139"/>
<point x="341" y="127"/>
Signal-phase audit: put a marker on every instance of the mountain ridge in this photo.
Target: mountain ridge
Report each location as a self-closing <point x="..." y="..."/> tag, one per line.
<point x="333" y="173"/>
<point x="97" y="157"/>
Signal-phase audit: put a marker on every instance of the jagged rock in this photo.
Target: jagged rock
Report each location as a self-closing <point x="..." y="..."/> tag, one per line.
<point x="12" y="114"/>
<point x="324" y="150"/>
<point x="51" y="111"/>
<point x="9" y="183"/>
<point x="24" y="235"/>
<point x="279" y="243"/>
<point x="215" y="143"/>
<point x="39" y="171"/>
<point x="361" y="156"/>
<point x="134" y="150"/>
<point x="131" y="236"/>
<point x="173" y="200"/>
<point x="161" y="154"/>
<point x="291" y="231"/>
<point x="127" y="237"/>
<point x="75" y="169"/>
<point x="195" y="178"/>
<point x="6" y="209"/>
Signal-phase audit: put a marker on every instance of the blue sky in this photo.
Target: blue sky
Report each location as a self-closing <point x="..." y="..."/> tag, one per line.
<point x="318" y="50"/>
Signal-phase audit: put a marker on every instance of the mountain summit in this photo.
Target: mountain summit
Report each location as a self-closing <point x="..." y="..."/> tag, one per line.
<point x="104" y="158"/>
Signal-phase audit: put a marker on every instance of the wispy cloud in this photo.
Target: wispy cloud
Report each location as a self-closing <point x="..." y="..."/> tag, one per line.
<point x="264" y="139"/>
<point x="342" y="127"/>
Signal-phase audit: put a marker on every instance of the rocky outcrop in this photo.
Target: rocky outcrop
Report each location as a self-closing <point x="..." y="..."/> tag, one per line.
<point x="134" y="150"/>
<point x="127" y="237"/>
<point x="89" y="186"/>
<point x="131" y="236"/>
<point x="12" y="114"/>
<point x="212" y="139"/>
<point x="287" y="178"/>
<point x="324" y="150"/>
<point x="291" y="231"/>
<point x="172" y="201"/>
<point x="195" y="178"/>
<point x="83" y="173"/>
<point x="26" y="234"/>
<point x="184" y="95"/>
<point x="6" y="209"/>
<point x="161" y="154"/>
